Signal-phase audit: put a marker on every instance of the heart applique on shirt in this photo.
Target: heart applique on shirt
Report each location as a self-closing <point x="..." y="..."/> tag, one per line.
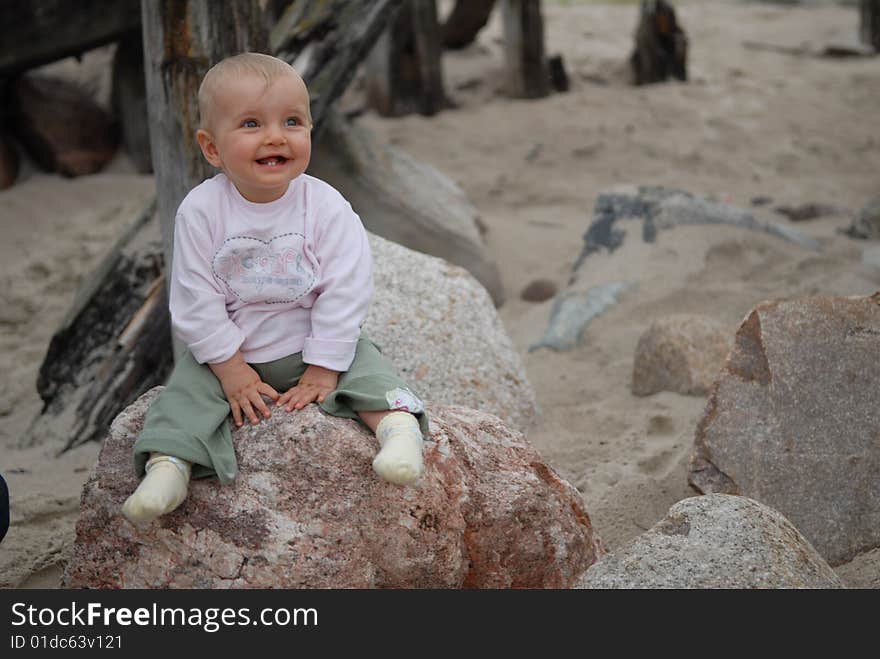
<point x="272" y="271"/>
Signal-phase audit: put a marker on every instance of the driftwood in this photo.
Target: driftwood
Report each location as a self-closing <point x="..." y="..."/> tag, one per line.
<point x="9" y="162"/>
<point x="464" y="22"/>
<point x="870" y="23"/>
<point x="35" y="33"/>
<point x="114" y="344"/>
<point x="327" y="41"/>
<point x="404" y="200"/>
<point x="527" y="75"/>
<point x="660" y="45"/>
<point x="130" y="100"/>
<point x="403" y="69"/>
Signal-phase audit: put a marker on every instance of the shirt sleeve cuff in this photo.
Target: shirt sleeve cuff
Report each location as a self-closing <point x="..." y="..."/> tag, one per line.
<point x="219" y="346"/>
<point x="331" y="354"/>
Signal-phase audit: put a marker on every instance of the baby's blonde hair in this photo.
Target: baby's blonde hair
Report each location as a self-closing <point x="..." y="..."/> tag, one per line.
<point x="270" y="68"/>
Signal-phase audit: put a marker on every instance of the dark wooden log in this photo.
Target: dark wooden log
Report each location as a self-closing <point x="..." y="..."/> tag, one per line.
<point x="404" y="72"/>
<point x="38" y="32"/>
<point x="660" y="45"/>
<point x="326" y="41"/>
<point x="8" y="162"/>
<point x="60" y="125"/>
<point x="130" y="100"/>
<point x="526" y="65"/>
<point x="464" y="22"/>
<point x="870" y="23"/>
<point x="113" y="345"/>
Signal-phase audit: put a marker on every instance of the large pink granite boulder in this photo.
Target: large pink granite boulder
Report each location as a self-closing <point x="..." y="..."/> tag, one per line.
<point x="794" y="420"/>
<point x="307" y="511"/>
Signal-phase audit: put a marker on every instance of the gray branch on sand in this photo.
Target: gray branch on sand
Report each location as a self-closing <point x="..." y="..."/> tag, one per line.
<point x="658" y="208"/>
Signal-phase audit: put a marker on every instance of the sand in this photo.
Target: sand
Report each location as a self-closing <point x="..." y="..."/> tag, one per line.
<point x="749" y="123"/>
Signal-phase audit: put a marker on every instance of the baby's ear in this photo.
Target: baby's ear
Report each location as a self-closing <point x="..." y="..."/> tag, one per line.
<point x="209" y="148"/>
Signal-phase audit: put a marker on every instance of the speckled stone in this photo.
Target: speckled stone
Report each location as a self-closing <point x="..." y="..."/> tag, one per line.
<point x="307" y="511"/>
<point x="682" y="353"/>
<point x="794" y="420"/>
<point x="715" y="541"/>
<point x="439" y="328"/>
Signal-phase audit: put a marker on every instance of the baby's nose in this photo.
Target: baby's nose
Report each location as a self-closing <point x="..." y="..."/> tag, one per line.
<point x="274" y="135"/>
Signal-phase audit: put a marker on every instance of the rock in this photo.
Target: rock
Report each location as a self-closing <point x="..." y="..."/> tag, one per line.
<point x="793" y="420"/>
<point x="404" y="200"/>
<point x="438" y="327"/>
<point x="715" y="541"/>
<point x="680" y="353"/>
<point x="9" y="162"/>
<point x="61" y="126"/>
<point x="539" y="290"/>
<point x="307" y="511"/>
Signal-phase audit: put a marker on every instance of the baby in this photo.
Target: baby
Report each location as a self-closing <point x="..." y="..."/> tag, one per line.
<point x="271" y="280"/>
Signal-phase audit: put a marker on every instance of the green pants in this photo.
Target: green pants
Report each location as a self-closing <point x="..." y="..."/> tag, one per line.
<point x="190" y="419"/>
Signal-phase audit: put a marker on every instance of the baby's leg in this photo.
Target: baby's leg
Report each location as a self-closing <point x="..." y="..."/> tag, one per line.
<point x="400" y="459"/>
<point x="163" y="488"/>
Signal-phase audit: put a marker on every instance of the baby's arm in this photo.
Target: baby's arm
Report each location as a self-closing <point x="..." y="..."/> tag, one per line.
<point x="243" y="389"/>
<point x="200" y="319"/>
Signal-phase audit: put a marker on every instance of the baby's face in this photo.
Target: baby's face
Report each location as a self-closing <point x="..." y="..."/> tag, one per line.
<point x="260" y="136"/>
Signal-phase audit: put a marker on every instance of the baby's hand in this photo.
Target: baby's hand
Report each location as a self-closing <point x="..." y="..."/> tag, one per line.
<point x="243" y="389"/>
<point x="314" y="385"/>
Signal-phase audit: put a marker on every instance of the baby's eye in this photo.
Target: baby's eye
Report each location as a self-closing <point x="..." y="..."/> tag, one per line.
<point x="249" y="123"/>
<point x="291" y="121"/>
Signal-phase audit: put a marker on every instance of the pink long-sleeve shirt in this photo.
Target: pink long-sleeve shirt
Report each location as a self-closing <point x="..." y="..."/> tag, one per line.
<point x="271" y="279"/>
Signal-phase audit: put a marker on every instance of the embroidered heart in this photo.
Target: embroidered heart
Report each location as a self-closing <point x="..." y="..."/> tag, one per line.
<point x="272" y="271"/>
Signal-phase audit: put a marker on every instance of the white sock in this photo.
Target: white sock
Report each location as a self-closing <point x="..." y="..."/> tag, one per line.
<point x="162" y="490"/>
<point x="400" y="460"/>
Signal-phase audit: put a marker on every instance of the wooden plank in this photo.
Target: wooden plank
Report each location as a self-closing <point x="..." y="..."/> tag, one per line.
<point x="464" y="22"/>
<point x="36" y="32"/>
<point x="870" y="23"/>
<point x="404" y="73"/>
<point x="525" y="62"/>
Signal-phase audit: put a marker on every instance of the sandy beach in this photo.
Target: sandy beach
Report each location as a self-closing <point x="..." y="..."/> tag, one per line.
<point x="749" y="123"/>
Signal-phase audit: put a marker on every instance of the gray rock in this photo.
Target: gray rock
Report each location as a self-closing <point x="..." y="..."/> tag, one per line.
<point x="404" y="200"/>
<point x="793" y="420"/>
<point x="682" y="353"/>
<point x="715" y="541"/>
<point x="307" y="511"/>
<point x="439" y="328"/>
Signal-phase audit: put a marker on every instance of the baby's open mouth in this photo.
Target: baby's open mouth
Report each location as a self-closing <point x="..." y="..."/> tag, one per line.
<point x="272" y="161"/>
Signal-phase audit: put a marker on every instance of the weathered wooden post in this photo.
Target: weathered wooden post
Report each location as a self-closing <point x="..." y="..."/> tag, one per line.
<point x="182" y="40"/>
<point x="404" y="73"/>
<point x="527" y="75"/>
<point x="870" y="28"/>
<point x="660" y="48"/>
<point x="464" y="22"/>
